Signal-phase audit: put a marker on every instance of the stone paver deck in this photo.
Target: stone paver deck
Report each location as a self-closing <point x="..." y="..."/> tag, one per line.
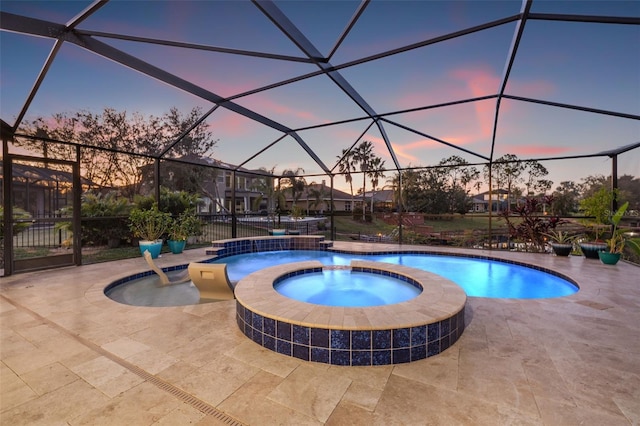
<point x="70" y="355"/>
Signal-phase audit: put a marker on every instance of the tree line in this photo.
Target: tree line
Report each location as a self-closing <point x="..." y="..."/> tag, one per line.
<point x="110" y="138"/>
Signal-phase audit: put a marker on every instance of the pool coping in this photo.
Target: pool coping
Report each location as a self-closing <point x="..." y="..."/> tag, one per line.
<point x="439" y="299"/>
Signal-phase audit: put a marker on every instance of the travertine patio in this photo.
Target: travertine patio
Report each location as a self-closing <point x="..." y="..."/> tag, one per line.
<point x="72" y="356"/>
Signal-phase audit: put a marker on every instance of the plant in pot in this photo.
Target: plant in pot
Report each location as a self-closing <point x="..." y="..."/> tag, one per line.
<point x="561" y="242"/>
<point x="597" y="206"/>
<point x="185" y="225"/>
<point x="149" y="225"/>
<point x="615" y="244"/>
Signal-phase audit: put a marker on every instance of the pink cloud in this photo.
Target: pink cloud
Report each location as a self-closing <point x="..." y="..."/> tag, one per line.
<point x="480" y="81"/>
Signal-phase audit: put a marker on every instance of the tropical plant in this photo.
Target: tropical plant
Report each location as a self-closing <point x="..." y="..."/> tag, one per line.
<point x="297" y="212"/>
<point x="268" y="192"/>
<point x="598" y="206"/>
<point x="113" y="209"/>
<point x="561" y="237"/>
<point x="376" y="171"/>
<point x="149" y="224"/>
<point x="363" y="155"/>
<point x="172" y="202"/>
<point x="184" y="226"/>
<point x="347" y="167"/>
<point x="617" y="241"/>
<point x="21" y="217"/>
<point x="294" y="183"/>
<point x="531" y="228"/>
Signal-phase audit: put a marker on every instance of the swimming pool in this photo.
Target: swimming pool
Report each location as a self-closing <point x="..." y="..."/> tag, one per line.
<point x="373" y="335"/>
<point x="345" y="287"/>
<point x="478" y="277"/>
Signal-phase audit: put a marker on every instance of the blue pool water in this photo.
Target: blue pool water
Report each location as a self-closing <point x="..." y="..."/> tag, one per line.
<point x="340" y="287"/>
<point x="478" y="277"/>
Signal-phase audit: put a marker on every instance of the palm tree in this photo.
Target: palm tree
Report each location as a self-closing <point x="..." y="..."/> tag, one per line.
<point x="267" y="191"/>
<point x="347" y="166"/>
<point x="294" y="183"/>
<point x="376" y="171"/>
<point x="362" y="156"/>
<point x="319" y="193"/>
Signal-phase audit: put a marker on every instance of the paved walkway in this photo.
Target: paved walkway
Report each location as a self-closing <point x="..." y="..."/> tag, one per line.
<point x="72" y="356"/>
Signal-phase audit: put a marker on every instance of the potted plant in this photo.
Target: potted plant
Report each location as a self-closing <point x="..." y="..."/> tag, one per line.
<point x="149" y="225"/>
<point x="598" y="206"/>
<point x="615" y="244"/>
<point x="185" y="225"/>
<point x="561" y="242"/>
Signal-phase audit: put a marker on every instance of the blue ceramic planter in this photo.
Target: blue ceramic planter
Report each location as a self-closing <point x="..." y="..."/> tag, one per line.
<point x="154" y="247"/>
<point x="609" y="258"/>
<point x="176" y="246"/>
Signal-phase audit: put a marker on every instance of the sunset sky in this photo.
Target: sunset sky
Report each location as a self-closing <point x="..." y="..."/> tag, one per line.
<point x="589" y="65"/>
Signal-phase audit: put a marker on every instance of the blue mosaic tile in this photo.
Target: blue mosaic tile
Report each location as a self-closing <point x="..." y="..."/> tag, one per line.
<point x="381" y="339"/>
<point x="320" y="355"/>
<point x="400" y="356"/>
<point x="418" y="352"/>
<point x="247" y="316"/>
<point x="360" y="358"/>
<point x="283" y="347"/>
<point x="301" y="352"/>
<point x="301" y="335"/>
<point x="269" y="342"/>
<point x="340" y="339"/>
<point x="445" y="328"/>
<point x="401" y="338"/>
<point x="340" y="357"/>
<point x="444" y="343"/>
<point x="418" y="335"/>
<point x="269" y="326"/>
<point x="320" y="337"/>
<point x="433" y="332"/>
<point x="433" y="348"/>
<point x="256" y="336"/>
<point x="283" y="330"/>
<point x="240" y="323"/>
<point x="256" y="321"/>
<point x="361" y="340"/>
<point x="382" y="357"/>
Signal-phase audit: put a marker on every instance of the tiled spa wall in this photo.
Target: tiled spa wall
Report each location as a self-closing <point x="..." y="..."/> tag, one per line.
<point x="350" y="347"/>
<point x="253" y="245"/>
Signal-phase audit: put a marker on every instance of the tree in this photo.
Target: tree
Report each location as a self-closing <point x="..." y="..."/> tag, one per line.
<point x="376" y="171"/>
<point x="118" y="145"/>
<point x="294" y="183"/>
<point x="507" y="172"/>
<point x="565" y="198"/>
<point x="265" y="185"/>
<point x="362" y="157"/>
<point x="457" y="175"/>
<point x="320" y="193"/>
<point x="347" y="167"/>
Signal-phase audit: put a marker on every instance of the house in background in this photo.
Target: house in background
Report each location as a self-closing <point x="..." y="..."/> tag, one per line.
<point x="480" y="202"/>
<point x="316" y="199"/>
<point x="213" y="180"/>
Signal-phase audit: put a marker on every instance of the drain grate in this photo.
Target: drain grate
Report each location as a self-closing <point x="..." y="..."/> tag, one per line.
<point x="185" y="397"/>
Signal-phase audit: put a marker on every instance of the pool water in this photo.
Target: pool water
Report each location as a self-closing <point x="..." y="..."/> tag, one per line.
<point x="478" y="277"/>
<point x="343" y="287"/>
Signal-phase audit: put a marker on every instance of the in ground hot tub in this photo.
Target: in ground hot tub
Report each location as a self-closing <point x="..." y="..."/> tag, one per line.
<point x="422" y="326"/>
